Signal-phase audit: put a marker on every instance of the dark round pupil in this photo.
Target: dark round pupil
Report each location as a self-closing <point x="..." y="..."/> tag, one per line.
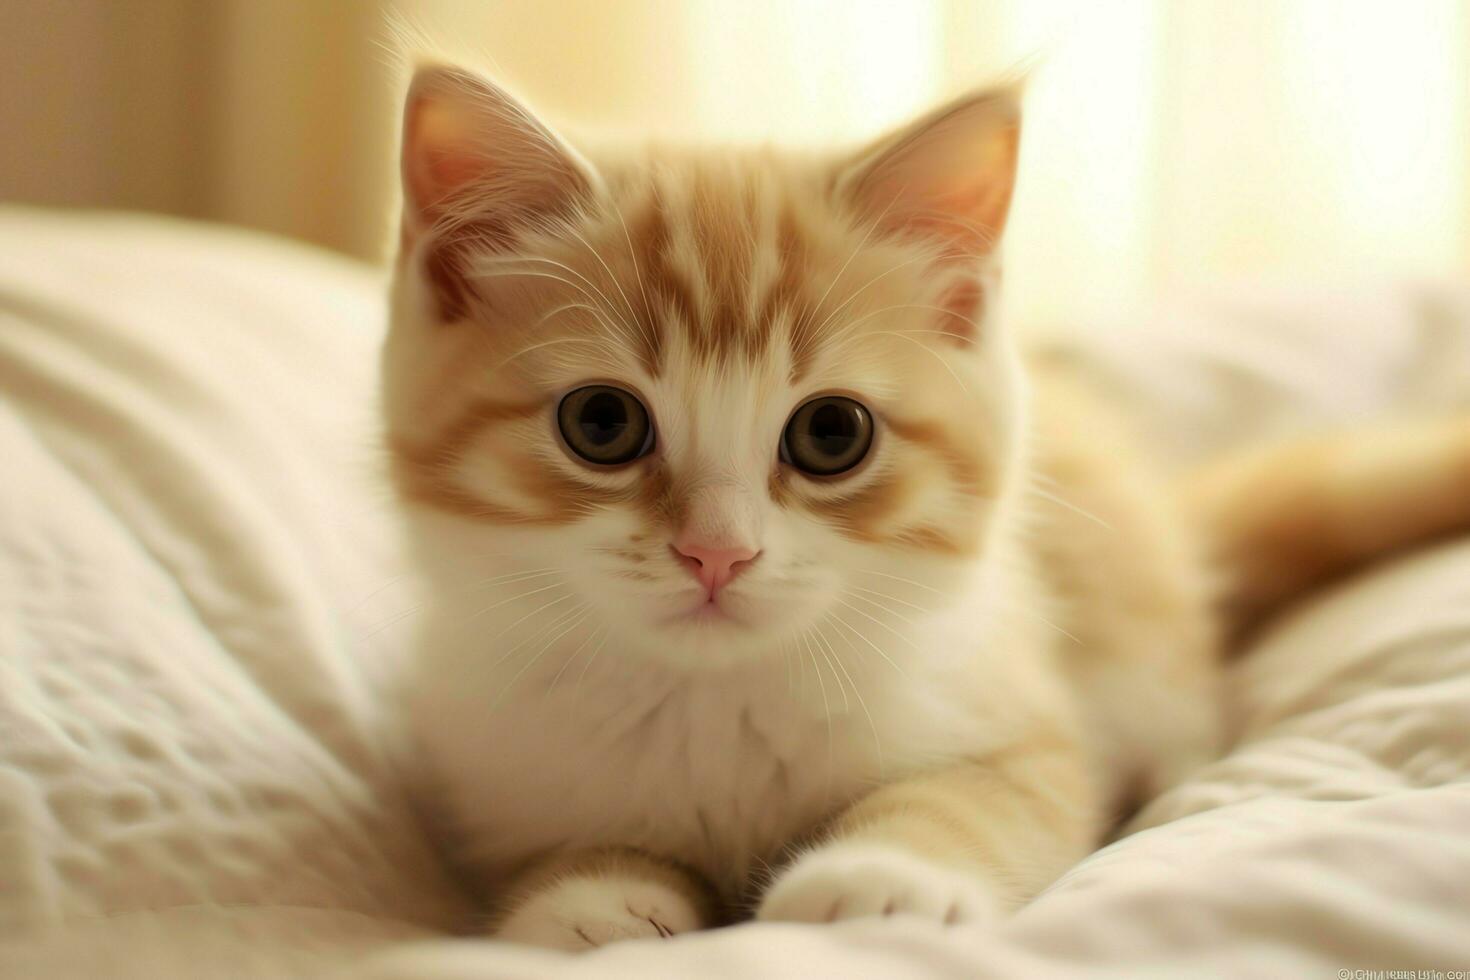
<point x="603" y="418"/>
<point x="832" y="430"/>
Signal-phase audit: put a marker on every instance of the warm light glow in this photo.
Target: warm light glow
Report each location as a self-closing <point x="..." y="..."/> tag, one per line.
<point x="1166" y="143"/>
<point x="810" y="73"/>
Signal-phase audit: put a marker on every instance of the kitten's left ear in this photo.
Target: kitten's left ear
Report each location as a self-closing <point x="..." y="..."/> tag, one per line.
<point x="946" y="177"/>
<point x="478" y="168"/>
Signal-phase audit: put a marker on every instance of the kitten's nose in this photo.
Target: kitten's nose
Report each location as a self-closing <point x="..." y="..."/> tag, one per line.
<point x="714" y="566"/>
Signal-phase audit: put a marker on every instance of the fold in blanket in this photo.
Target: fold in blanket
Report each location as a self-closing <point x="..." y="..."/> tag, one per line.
<point x="200" y="600"/>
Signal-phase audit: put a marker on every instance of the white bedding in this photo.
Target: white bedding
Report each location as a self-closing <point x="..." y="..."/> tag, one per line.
<point x="198" y="599"/>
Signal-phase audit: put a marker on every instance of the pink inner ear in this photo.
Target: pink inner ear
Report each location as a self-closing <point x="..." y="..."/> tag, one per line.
<point x="476" y="167"/>
<point x="948" y="177"/>
<point x="450" y="171"/>
<point x="969" y="214"/>
<point x="440" y="156"/>
<point x="981" y="208"/>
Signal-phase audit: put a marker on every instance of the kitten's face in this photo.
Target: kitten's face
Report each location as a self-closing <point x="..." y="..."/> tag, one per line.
<point x="731" y="403"/>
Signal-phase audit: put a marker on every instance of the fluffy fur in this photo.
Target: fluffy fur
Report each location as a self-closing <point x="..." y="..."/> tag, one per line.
<point x="945" y="672"/>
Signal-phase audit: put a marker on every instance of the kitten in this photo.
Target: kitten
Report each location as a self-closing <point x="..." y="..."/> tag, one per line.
<point x="766" y="573"/>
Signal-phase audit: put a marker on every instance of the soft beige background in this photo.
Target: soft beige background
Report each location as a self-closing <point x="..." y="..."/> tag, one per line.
<point x="1168" y="142"/>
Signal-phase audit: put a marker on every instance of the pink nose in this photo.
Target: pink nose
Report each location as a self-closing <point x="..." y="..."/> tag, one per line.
<point x="714" y="566"/>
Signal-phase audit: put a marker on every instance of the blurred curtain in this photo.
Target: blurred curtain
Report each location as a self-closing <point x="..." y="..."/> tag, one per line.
<point x="1167" y="142"/>
<point x="260" y="112"/>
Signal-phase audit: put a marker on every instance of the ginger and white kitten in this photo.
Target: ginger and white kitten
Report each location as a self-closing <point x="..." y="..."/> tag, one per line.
<point x="764" y="576"/>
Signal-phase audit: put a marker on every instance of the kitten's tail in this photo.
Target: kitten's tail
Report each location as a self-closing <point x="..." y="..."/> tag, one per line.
<point x="1282" y="519"/>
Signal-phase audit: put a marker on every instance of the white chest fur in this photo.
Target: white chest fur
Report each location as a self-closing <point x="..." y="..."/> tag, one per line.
<point x="720" y="770"/>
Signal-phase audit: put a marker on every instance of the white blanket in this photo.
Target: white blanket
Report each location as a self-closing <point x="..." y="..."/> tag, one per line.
<point x="199" y="597"/>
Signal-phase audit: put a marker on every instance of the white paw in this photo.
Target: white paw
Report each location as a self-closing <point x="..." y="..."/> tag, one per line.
<point x="579" y="913"/>
<point x="850" y="881"/>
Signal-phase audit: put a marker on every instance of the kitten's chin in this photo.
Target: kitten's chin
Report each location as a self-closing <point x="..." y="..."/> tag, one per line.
<point x="712" y="636"/>
<point x="711" y="613"/>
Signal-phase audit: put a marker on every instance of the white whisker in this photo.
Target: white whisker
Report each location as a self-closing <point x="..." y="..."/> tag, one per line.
<point x="873" y="602"/>
<point x="826" y="714"/>
<point x="593" y="295"/>
<point x="588" y="665"/>
<point x="512" y="578"/>
<point x="565" y="615"/>
<point x="376" y="592"/>
<point x="876" y="649"/>
<point x="932" y="353"/>
<point x="905" y="581"/>
<point x="840" y="339"/>
<point x="604" y="344"/>
<point x="836" y="659"/>
<point x="867" y="234"/>
<point x="897" y="635"/>
<point x="514" y="598"/>
<point x="393" y="621"/>
<point x="575" y="653"/>
<point x="866" y="286"/>
<point x="595" y="292"/>
<point x="637" y="271"/>
<point x="1033" y="613"/>
<point x="1070" y="506"/>
<point x="642" y="329"/>
<point x="585" y="609"/>
<point x="892" y="598"/>
<point x="810" y="644"/>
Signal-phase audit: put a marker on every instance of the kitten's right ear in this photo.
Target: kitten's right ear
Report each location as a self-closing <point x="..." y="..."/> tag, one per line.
<point x="946" y="179"/>
<point x="477" y="169"/>
<point x="948" y="176"/>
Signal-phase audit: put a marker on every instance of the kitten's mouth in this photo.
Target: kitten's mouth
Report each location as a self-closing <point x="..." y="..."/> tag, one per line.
<point x="711" y="610"/>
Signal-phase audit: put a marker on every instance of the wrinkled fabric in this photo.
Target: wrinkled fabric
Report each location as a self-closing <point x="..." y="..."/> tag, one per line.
<point x="201" y="601"/>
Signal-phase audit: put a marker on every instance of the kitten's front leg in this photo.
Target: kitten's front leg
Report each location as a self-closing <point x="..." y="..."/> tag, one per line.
<point x="584" y="899"/>
<point x="964" y="844"/>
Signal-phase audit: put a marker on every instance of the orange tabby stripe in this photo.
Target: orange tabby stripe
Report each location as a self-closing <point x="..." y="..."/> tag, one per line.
<point x="732" y="267"/>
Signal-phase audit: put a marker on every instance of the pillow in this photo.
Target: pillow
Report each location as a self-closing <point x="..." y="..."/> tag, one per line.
<point x="1212" y="369"/>
<point x="191" y="550"/>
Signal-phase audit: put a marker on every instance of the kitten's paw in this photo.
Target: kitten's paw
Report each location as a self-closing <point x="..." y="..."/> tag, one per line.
<point x="579" y="913"/>
<point x="850" y="881"/>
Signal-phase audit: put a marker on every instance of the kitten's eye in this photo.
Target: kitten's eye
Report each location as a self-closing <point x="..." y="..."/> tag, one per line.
<point x="605" y="425"/>
<point x="827" y="436"/>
